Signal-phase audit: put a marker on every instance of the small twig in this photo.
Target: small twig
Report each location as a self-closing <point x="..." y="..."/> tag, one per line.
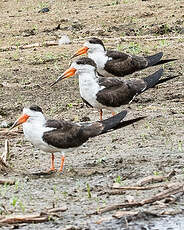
<point x="61" y="209"/>
<point x="120" y="214"/>
<point x="138" y="187"/>
<point x="31" y="218"/>
<point x="10" y="133"/>
<point x="151" y="179"/>
<point x="160" y="196"/>
<point x="34" y="45"/>
<point x="17" y="219"/>
<point x="164" y="194"/>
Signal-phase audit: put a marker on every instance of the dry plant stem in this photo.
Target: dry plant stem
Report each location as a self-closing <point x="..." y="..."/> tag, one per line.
<point x="2" y="164"/>
<point x="157" y="197"/>
<point x="6" y="152"/>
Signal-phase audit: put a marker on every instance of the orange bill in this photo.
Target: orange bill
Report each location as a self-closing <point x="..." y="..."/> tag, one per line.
<point x="22" y="119"/>
<point x="68" y="73"/>
<point x="81" y="51"/>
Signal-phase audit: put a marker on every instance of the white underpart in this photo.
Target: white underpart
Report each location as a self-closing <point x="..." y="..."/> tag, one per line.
<point x="89" y="87"/>
<point x="34" y="129"/>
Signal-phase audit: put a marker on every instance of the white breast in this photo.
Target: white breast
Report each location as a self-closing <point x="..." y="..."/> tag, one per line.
<point x="89" y="88"/>
<point x="33" y="131"/>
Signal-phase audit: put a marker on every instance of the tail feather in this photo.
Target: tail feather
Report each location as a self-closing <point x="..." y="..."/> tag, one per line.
<point x="154" y="59"/>
<point x="153" y="79"/>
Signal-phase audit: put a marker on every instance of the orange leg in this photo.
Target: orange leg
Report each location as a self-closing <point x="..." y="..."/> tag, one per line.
<point x="101" y="112"/>
<point x="113" y="113"/>
<point x="52" y="168"/>
<point x="62" y="163"/>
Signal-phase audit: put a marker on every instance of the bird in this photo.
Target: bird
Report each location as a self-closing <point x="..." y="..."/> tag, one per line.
<point x="107" y="93"/>
<point x="64" y="136"/>
<point x="112" y="63"/>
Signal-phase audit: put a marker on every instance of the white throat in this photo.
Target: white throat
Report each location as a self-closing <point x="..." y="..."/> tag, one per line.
<point x="99" y="57"/>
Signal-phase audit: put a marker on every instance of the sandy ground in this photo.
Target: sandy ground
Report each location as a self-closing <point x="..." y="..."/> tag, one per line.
<point x="153" y="146"/>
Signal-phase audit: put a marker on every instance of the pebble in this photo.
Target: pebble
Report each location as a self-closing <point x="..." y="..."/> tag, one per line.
<point x="64" y="40"/>
<point x="4" y="124"/>
<point x="44" y="10"/>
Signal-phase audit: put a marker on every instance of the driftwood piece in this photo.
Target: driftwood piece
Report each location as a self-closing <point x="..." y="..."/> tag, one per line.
<point x="152" y="179"/>
<point x="160" y="196"/>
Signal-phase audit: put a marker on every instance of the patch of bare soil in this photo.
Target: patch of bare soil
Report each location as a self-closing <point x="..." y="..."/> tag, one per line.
<point x="152" y="147"/>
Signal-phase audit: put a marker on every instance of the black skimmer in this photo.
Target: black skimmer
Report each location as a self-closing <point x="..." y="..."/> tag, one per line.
<point x="114" y="63"/>
<point x="64" y="136"/>
<point x="108" y="93"/>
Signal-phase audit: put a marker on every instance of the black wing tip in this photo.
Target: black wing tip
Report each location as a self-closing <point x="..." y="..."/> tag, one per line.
<point x="162" y="62"/>
<point x="160" y="71"/>
<point x="129" y="122"/>
<point x="123" y="113"/>
<point x="154" y="59"/>
<point x="112" y="122"/>
<point x="153" y="79"/>
<point x="160" y="54"/>
<point x="167" y="79"/>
